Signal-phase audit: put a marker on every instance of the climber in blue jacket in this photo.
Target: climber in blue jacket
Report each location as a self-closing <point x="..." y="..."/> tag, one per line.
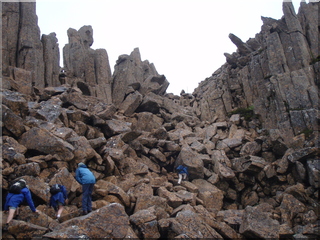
<point x="58" y="199"/>
<point x="182" y="172"/>
<point x="86" y="178"/>
<point x="14" y="200"/>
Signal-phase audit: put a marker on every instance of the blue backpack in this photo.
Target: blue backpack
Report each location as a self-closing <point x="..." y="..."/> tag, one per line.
<point x="15" y="188"/>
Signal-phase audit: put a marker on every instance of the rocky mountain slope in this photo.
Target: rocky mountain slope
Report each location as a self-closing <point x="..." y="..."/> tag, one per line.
<point x="276" y="73"/>
<point x="248" y="135"/>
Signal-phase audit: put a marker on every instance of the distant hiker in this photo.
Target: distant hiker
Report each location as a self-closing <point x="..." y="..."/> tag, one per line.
<point x="18" y="193"/>
<point x="86" y="178"/>
<point x="182" y="172"/>
<point x="58" y="198"/>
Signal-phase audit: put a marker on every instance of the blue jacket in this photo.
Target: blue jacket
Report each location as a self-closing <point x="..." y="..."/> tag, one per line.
<point x="182" y="169"/>
<point x="59" y="197"/>
<point x="84" y="175"/>
<point x="14" y="200"/>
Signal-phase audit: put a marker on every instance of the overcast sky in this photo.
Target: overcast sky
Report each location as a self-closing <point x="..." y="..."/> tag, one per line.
<point x="184" y="39"/>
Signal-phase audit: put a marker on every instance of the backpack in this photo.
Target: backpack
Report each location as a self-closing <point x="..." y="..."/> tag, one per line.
<point x="15" y="188"/>
<point x="55" y="189"/>
<point x="182" y="169"/>
<point x="23" y="183"/>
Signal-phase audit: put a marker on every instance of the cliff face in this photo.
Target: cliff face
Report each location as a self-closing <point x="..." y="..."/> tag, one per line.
<point x="22" y="47"/>
<point x="276" y="73"/>
<point x="251" y="173"/>
<point x="24" y="54"/>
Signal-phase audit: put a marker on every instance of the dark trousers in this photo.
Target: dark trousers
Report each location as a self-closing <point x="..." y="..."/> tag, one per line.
<point x="87" y="197"/>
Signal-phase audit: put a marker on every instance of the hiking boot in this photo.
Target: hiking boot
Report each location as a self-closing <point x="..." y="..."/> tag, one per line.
<point x="84" y="213"/>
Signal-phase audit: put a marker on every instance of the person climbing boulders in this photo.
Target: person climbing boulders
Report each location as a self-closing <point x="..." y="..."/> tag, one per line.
<point x="86" y="178"/>
<point x="58" y="198"/>
<point x="182" y="173"/>
<point x="18" y="193"/>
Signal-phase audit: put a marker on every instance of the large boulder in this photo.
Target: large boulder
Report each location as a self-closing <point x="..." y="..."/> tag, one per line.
<point x="290" y="206"/>
<point x="30" y="169"/>
<point x="146" y="201"/>
<point x="23" y="229"/>
<point x="211" y="196"/>
<point x="188" y="224"/>
<point x="157" y="84"/>
<point x="223" y="228"/>
<point x="105" y="188"/>
<point x="146" y="121"/>
<point x="114" y="127"/>
<point x="81" y="147"/>
<point x="249" y="164"/>
<point x="17" y="102"/>
<point x="49" y="110"/>
<point x="42" y="140"/>
<point x="173" y="199"/>
<point x="222" y="164"/>
<point x="151" y="103"/>
<point x="258" y="224"/>
<point x="75" y="99"/>
<point x="146" y="223"/>
<point x="110" y="221"/>
<point x="12" y="151"/>
<point x="131" y="103"/>
<point x="192" y="160"/>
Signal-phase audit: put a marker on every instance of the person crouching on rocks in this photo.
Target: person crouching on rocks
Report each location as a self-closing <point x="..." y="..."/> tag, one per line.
<point x="182" y="173"/>
<point x="18" y="193"/>
<point x="86" y="178"/>
<point x="58" y="198"/>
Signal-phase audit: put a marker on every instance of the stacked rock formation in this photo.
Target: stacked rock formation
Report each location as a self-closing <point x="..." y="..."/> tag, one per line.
<point x="84" y="67"/>
<point x="246" y="178"/>
<point x="277" y="73"/>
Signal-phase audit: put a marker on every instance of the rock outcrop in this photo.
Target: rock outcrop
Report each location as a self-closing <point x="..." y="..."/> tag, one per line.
<point x="51" y="58"/>
<point x="22" y="47"/>
<point x="276" y="73"/>
<point x="246" y="178"/>
<point x="133" y="77"/>
<point x="86" y="68"/>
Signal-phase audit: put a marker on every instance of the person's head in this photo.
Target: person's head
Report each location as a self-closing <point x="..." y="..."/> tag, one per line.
<point x="81" y="164"/>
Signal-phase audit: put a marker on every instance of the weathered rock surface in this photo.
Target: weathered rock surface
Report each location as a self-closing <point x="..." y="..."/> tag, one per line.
<point x="108" y="222"/>
<point x="85" y="67"/>
<point x="254" y="172"/>
<point x="275" y="75"/>
<point x="22" y="44"/>
<point x="132" y="74"/>
<point x="258" y="224"/>
<point x="51" y="58"/>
